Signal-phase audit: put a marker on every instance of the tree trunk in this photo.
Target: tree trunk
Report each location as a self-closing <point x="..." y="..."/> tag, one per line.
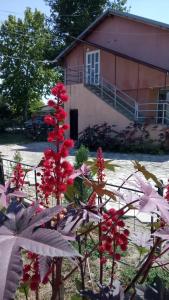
<point x="57" y="284"/>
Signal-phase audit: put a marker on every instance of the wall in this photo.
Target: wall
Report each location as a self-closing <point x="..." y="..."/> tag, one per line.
<point x="135" y="79"/>
<point x="133" y="38"/>
<point x="91" y="109"/>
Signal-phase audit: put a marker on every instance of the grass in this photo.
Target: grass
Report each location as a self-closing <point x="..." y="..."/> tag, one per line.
<point x="7" y="138"/>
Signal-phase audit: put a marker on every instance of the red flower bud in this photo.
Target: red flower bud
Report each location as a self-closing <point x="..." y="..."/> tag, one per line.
<point x="123" y="247"/>
<point x="117" y="256"/>
<point x="64" y="97"/>
<point x="51" y="103"/>
<point x="69" y="143"/>
<point x="49" y="120"/>
<point x="103" y="260"/>
<point x="112" y="211"/>
<point x="120" y="223"/>
<point x="126" y="232"/>
<point x="70" y="181"/>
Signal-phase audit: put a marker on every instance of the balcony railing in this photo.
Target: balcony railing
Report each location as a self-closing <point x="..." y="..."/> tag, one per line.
<point x="150" y="112"/>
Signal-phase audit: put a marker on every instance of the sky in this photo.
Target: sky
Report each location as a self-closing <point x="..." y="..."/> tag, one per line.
<point x="153" y="9"/>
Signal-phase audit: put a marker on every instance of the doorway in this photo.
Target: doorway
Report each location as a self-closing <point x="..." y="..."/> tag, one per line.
<point x="74" y="124"/>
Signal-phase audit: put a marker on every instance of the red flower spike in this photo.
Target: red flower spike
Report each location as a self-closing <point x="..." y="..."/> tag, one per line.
<point x="34" y="286"/>
<point x="49" y="120"/>
<point x="103" y="260"/>
<point x="18" y="179"/>
<point x="101" y="249"/>
<point x="104" y="228"/>
<point x="119" y="241"/>
<point x="120" y="212"/>
<point x="108" y="247"/>
<point x="26" y="277"/>
<point x="64" y="152"/>
<point x="70" y="181"/>
<point x="117" y="256"/>
<point x="109" y="239"/>
<point x="55" y="171"/>
<point x="100" y="165"/>
<point x="123" y="247"/>
<point x="105" y="216"/>
<point x="109" y="223"/>
<point x="112" y="211"/>
<point x="69" y="143"/>
<point x="120" y="223"/>
<point x="45" y="280"/>
<point x="51" y="103"/>
<point x="27" y="268"/>
<point x="64" y="97"/>
<point x="126" y="232"/>
<point x="65" y="127"/>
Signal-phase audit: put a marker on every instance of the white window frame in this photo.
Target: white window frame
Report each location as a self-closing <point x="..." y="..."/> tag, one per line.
<point x="86" y="67"/>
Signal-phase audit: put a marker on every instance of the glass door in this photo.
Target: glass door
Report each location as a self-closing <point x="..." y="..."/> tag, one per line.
<point x="93" y="67"/>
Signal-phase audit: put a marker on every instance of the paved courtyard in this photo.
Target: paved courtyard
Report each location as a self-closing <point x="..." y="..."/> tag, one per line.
<point x="158" y="164"/>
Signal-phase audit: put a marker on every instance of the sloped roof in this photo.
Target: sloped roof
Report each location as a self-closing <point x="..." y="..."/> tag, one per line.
<point x="110" y="12"/>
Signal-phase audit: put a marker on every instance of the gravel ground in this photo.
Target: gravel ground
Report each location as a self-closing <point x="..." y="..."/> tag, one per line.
<point x="158" y="164"/>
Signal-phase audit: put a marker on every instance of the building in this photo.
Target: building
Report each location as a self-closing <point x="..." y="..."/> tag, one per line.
<point x="117" y="71"/>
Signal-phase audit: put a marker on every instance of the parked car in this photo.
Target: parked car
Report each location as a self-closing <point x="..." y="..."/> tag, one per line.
<point x="36" y="129"/>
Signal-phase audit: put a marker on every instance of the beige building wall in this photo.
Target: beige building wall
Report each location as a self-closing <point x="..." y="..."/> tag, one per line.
<point x="91" y="109"/>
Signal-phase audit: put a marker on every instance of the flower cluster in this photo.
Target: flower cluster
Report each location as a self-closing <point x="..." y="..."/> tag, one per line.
<point x="114" y="235"/>
<point x="100" y="165"/>
<point x="18" y="176"/>
<point x="31" y="274"/>
<point x="56" y="170"/>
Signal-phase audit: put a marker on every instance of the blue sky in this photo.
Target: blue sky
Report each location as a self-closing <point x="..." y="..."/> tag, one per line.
<point x="153" y="9"/>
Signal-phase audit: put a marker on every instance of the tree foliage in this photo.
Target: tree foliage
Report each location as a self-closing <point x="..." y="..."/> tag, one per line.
<point x="69" y="18"/>
<point x="120" y="5"/>
<point x="23" y="49"/>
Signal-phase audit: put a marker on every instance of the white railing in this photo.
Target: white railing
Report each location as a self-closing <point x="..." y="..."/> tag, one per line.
<point x="156" y="112"/>
<point x="119" y="99"/>
<point x="153" y="112"/>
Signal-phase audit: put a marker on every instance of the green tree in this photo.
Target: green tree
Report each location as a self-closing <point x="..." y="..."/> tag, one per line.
<point x="24" y="76"/>
<point x="120" y="5"/>
<point x="70" y="17"/>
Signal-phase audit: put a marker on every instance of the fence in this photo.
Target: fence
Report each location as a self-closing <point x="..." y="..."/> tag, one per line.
<point x="30" y="188"/>
<point x="6" y="169"/>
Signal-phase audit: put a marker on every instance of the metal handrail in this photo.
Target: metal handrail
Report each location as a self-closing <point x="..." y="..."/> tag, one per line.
<point x="77" y="74"/>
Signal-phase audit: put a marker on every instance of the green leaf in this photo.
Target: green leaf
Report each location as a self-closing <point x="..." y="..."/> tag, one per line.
<point x="24" y="288"/>
<point x="142" y="250"/>
<point x="71" y="192"/>
<point x="148" y="175"/>
<point x="109" y="166"/>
